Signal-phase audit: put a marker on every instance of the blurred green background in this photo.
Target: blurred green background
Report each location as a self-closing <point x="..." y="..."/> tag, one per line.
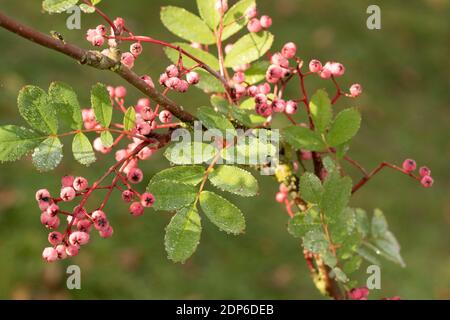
<point x="405" y="71"/>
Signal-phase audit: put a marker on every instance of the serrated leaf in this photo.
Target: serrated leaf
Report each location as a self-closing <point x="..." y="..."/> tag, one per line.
<point x="208" y="83"/>
<point x="15" y="142"/>
<point x="101" y="103"/>
<point x="303" y="138"/>
<point x="220" y="104"/>
<point x="311" y="188"/>
<point x="339" y="275"/>
<point x="249" y="48"/>
<point x="202" y="55"/>
<point x="65" y="101"/>
<point x="362" y="222"/>
<point x="315" y="241"/>
<point x="222" y="213"/>
<point x="186" y="25"/>
<point x="344" y="127"/>
<point x="234" y="180"/>
<point x="48" y="154"/>
<point x="216" y="121"/>
<point x="191" y="175"/>
<point x="303" y="222"/>
<point x="172" y="195"/>
<point x="367" y="255"/>
<point x="329" y="164"/>
<point x="35" y="108"/>
<point x="235" y="19"/>
<point x="182" y="153"/>
<point x="82" y="149"/>
<point x="257" y="72"/>
<point x="129" y="119"/>
<point x="107" y="139"/>
<point x="208" y="12"/>
<point x="379" y="225"/>
<point x="183" y="234"/>
<point x="58" y="6"/>
<point x="336" y="195"/>
<point x="321" y="112"/>
<point x="248" y="117"/>
<point x="352" y="264"/>
<point x="87" y="9"/>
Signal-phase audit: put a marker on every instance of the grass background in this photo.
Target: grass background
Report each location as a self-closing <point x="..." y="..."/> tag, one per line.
<point x="404" y="69"/>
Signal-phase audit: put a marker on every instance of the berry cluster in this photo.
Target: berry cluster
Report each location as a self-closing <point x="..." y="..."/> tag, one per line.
<point x="172" y="78"/>
<point x="256" y="25"/>
<point x="362" y="294"/>
<point x="409" y="166"/>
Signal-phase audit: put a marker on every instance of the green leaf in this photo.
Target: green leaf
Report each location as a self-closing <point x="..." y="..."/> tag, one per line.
<point x="315" y="241"/>
<point x="107" y="139"/>
<point x="321" y="111"/>
<point x="191" y="175"/>
<point x="257" y="72"/>
<point x="336" y="195"/>
<point x="246" y="115"/>
<point x="65" y="101"/>
<point x="58" y="6"/>
<point x="303" y="222"/>
<point x="183" y="153"/>
<point x="15" y="142"/>
<point x="222" y="213"/>
<point x="379" y="224"/>
<point x="344" y="127"/>
<point x="129" y="119"/>
<point x="220" y="104"/>
<point x="208" y="12"/>
<point x="208" y="83"/>
<point x="234" y="180"/>
<point x="35" y="108"/>
<point x="339" y="275"/>
<point x="86" y="9"/>
<point x="329" y="164"/>
<point x="235" y="19"/>
<point x="213" y="120"/>
<point x="183" y="234"/>
<point x="48" y="154"/>
<point x="82" y="149"/>
<point x="249" y="48"/>
<point x="172" y="195"/>
<point x="101" y="103"/>
<point x="186" y="25"/>
<point x="204" y="56"/>
<point x="362" y="222"/>
<point x="303" y="138"/>
<point x="353" y="264"/>
<point x="311" y="188"/>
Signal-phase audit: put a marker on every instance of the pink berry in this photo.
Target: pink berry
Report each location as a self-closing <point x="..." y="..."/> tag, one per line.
<point x="355" y="90"/>
<point x="291" y="107"/>
<point x="50" y="254"/>
<point x="279" y="60"/>
<point x="136" y="209"/>
<point x="172" y="83"/>
<point x="55" y="238"/>
<point x="337" y="69"/>
<point x="289" y="50"/>
<point x="358" y="293"/>
<point x="182" y="86"/>
<point x="72" y="250"/>
<point x="79" y="212"/>
<point x="427" y="181"/>
<point x="52" y="210"/>
<point x="264" y="88"/>
<point x="263" y="110"/>
<point x="79" y="238"/>
<point x="274" y="74"/>
<point x="239" y="77"/>
<point x="80" y="184"/>
<point x="43" y="195"/>
<point x="119" y="23"/>
<point x="98" y="146"/>
<point x="135" y="175"/>
<point x="44" y="205"/>
<point x="172" y="71"/>
<point x="121" y="154"/>
<point x="221" y="6"/>
<point x="145" y="153"/>
<point x="127" y="195"/>
<point x="101" y="30"/>
<point x="306" y="155"/>
<point x="127" y="60"/>
<point x="49" y="221"/>
<point x="409" y="165"/>
<point x="136" y="49"/>
<point x="280" y="197"/>
<point x="106" y="233"/>
<point x="266" y="22"/>
<point x="61" y="251"/>
<point x="196" y="45"/>
<point x="424" y="171"/>
<point x="148" y="80"/>
<point x="251" y="13"/>
<point x="193" y="78"/>
<point x="165" y="116"/>
<point x="67" y="194"/>
<point x="84" y="225"/>
<point x="147" y="199"/>
<point x="284" y="188"/>
<point x="163" y="78"/>
<point x="260" y="98"/>
<point x="147" y="113"/>
<point x="254" y="25"/>
<point x="325" y="73"/>
<point x="143" y="128"/>
<point x="120" y="92"/>
<point x="67" y="181"/>
<point x="252" y="91"/>
<point x="98" y="214"/>
<point x="112" y="95"/>
<point x="315" y="66"/>
<point x="228" y="48"/>
<point x="279" y="105"/>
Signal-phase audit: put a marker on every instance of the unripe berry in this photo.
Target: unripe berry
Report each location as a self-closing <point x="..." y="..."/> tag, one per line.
<point x="424" y="171"/>
<point x="315" y="66"/>
<point x="127" y="195"/>
<point x="254" y="25"/>
<point x="67" y="194"/>
<point x="280" y="197"/>
<point x="266" y="22"/>
<point x="67" y="181"/>
<point x="427" y="181"/>
<point x="289" y="50"/>
<point x="120" y="92"/>
<point x="136" y="49"/>
<point x="136" y="209"/>
<point x="279" y="60"/>
<point x="143" y="128"/>
<point x="80" y="183"/>
<point x="409" y="165"/>
<point x="279" y="105"/>
<point x="172" y="71"/>
<point x="193" y="78"/>
<point x="147" y="199"/>
<point x="355" y="90"/>
<point x="55" y="238"/>
<point x="135" y="175"/>
<point x="127" y="60"/>
<point x="291" y="107"/>
<point x="106" y="233"/>
<point x="43" y="195"/>
<point x="165" y="116"/>
<point x="251" y="13"/>
<point x="50" y="254"/>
